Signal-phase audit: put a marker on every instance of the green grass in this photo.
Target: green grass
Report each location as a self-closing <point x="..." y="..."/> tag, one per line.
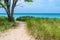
<point x="5" y="24"/>
<point x="24" y="18"/>
<point x="43" y="28"/>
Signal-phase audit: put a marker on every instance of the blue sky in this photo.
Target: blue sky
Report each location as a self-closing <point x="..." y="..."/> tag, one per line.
<point x="37" y="6"/>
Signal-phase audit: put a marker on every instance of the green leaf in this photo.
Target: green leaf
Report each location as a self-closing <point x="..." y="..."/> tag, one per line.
<point x="0" y="0"/>
<point x="28" y="0"/>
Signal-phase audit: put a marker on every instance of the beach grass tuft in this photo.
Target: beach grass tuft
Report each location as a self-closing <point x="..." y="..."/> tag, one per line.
<point x="43" y="28"/>
<point x="5" y="24"/>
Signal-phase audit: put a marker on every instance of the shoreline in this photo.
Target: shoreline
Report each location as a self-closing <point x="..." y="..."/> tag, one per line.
<point x="37" y="16"/>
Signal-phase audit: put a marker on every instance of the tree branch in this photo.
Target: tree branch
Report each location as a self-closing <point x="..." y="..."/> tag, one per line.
<point x="2" y="5"/>
<point x="13" y="6"/>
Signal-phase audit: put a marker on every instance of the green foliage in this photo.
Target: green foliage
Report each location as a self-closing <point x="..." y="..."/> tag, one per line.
<point x="0" y="0"/>
<point x="24" y="18"/>
<point x="44" y="28"/>
<point x="28" y="0"/>
<point x="3" y="18"/>
<point x="5" y="24"/>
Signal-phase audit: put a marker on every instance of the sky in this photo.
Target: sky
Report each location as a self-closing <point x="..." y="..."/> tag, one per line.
<point x="37" y="6"/>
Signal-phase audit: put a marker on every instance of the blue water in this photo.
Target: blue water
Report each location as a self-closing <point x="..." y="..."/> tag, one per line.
<point x="44" y="15"/>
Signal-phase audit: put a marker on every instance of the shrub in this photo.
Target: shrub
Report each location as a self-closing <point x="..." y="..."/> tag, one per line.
<point x="4" y="23"/>
<point x="24" y="18"/>
<point x="44" y="28"/>
<point x="3" y="18"/>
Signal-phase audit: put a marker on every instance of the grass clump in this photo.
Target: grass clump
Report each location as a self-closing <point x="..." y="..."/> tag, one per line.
<point x="43" y="28"/>
<point x="5" y="24"/>
<point x="24" y="18"/>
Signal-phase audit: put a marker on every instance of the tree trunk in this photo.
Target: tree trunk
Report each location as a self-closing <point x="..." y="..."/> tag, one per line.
<point x="12" y="11"/>
<point x="10" y="18"/>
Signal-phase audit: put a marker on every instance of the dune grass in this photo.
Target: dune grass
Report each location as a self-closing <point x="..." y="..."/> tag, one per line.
<point x="5" y="24"/>
<point x="44" y="28"/>
<point x="24" y="18"/>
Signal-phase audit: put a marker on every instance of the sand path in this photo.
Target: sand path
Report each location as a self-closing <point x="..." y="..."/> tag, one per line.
<point x="19" y="33"/>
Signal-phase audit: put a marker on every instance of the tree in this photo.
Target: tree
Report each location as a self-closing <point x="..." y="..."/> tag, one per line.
<point x="9" y="6"/>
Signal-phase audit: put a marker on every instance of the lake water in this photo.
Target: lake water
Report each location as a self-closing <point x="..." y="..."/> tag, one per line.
<point x="44" y="15"/>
